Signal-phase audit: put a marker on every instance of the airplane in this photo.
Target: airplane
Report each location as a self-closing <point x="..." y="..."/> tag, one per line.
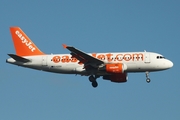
<point x="112" y="66"/>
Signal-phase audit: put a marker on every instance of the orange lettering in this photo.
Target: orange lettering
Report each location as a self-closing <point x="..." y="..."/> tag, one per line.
<point x="73" y="59"/>
<point x="109" y="57"/>
<point x="138" y="56"/>
<point x="127" y="57"/>
<point x="101" y="57"/>
<point x="56" y="59"/>
<point x="65" y="59"/>
<point x="94" y="55"/>
<point x="119" y="57"/>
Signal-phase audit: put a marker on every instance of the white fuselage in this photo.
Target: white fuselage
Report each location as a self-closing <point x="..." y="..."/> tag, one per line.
<point x="63" y="63"/>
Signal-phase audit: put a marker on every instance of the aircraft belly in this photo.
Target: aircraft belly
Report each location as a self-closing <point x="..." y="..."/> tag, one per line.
<point x="131" y="67"/>
<point x="65" y="68"/>
<point x="138" y="67"/>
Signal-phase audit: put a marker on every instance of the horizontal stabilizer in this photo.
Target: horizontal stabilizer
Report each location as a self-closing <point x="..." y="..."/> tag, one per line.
<point x="18" y="58"/>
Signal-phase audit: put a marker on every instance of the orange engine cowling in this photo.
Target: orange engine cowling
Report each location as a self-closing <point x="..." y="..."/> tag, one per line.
<point x="120" y="77"/>
<point x="115" y="68"/>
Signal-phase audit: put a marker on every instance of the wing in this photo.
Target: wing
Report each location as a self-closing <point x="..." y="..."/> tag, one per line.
<point x="83" y="57"/>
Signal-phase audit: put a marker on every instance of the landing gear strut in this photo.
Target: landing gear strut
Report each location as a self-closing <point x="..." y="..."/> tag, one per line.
<point x="147" y="77"/>
<point x="92" y="79"/>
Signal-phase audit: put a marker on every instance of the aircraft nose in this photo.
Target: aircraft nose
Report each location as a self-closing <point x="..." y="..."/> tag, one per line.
<point x="169" y="64"/>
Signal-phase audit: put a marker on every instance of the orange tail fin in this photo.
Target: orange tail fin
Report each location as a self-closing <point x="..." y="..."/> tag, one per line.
<point x="23" y="44"/>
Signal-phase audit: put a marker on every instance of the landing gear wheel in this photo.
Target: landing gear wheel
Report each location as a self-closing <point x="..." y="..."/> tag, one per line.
<point x="92" y="78"/>
<point x="148" y="80"/>
<point x="94" y="84"/>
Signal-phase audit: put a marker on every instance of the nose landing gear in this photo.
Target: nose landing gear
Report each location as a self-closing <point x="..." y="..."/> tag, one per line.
<point x="148" y="80"/>
<point x="92" y="79"/>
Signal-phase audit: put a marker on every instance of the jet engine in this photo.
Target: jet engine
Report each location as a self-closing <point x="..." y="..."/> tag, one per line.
<point x="118" y="77"/>
<point x="114" y="68"/>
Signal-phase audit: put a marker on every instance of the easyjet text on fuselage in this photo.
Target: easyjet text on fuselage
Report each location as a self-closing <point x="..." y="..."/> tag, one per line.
<point x="104" y="57"/>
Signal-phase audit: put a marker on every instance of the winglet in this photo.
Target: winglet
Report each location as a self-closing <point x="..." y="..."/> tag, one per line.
<point x="64" y="46"/>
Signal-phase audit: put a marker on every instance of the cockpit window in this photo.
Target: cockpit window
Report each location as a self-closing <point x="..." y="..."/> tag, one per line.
<point x="160" y="57"/>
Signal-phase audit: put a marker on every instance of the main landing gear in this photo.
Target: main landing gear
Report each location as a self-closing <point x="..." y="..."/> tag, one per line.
<point x="92" y="79"/>
<point x="147" y="77"/>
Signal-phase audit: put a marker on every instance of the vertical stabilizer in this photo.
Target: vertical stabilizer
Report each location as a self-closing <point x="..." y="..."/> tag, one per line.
<point x="23" y="44"/>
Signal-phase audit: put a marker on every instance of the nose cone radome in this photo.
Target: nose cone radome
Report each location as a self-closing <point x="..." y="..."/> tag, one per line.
<point x="169" y="64"/>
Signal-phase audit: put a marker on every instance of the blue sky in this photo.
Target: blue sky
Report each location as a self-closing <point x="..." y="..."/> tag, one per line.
<point x="92" y="26"/>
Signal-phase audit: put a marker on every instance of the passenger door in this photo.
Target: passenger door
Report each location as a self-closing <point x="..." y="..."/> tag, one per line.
<point x="44" y="60"/>
<point x="147" y="57"/>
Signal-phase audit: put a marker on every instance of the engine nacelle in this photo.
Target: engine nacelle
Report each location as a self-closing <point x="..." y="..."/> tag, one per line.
<point x="115" y="68"/>
<point x="121" y="77"/>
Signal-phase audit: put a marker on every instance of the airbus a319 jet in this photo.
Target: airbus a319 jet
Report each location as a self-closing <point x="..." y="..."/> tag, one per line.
<point x="110" y="66"/>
